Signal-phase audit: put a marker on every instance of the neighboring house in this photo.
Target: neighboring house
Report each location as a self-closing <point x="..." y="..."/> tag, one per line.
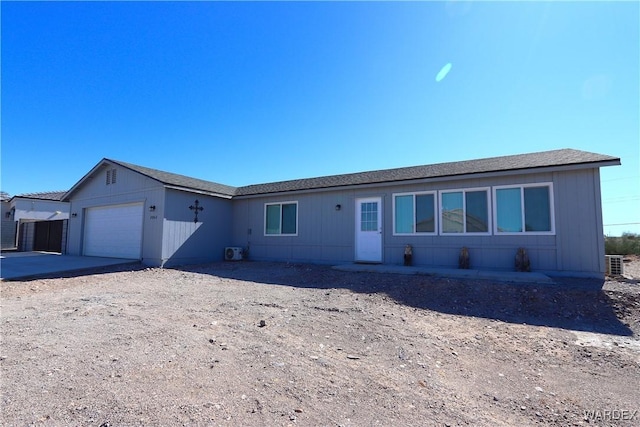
<point x="547" y="202"/>
<point x="37" y="222"/>
<point x="8" y="225"/>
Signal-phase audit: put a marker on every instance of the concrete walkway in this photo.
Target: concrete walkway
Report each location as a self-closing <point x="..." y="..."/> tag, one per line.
<point x="502" y="276"/>
<point x="23" y="265"/>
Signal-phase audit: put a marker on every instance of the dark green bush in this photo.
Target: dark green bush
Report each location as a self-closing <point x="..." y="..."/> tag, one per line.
<point x="627" y="244"/>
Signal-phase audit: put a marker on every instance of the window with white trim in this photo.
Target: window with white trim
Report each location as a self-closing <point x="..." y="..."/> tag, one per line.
<point x="369" y="216"/>
<point x="524" y="209"/>
<point x="281" y="219"/>
<point x="464" y="211"/>
<point x="414" y="213"/>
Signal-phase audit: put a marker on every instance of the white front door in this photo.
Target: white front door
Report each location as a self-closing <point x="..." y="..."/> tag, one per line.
<point x="369" y="229"/>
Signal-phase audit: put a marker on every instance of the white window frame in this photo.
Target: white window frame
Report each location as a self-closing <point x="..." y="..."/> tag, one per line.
<point x="435" y="213"/>
<point x="280" y="234"/>
<point x="464" y="209"/>
<point x="524" y="232"/>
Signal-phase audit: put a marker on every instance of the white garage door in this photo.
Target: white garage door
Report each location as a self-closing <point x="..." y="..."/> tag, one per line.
<point x="114" y="231"/>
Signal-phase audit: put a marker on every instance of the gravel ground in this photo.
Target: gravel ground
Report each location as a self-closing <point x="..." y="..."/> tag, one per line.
<point x="270" y="344"/>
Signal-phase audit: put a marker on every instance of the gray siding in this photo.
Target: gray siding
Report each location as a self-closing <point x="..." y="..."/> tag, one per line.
<point x="325" y="235"/>
<point x="65" y="231"/>
<point x="328" y="236"/>
<point x="170" y="236"/>
<point x="579" y="222"/>
<point x="187" y="242"/>
<point x="27" y="236"/>
<point x="130" y="187"/>
<point x="8" y="229"/>
<point x="486" y="251"/>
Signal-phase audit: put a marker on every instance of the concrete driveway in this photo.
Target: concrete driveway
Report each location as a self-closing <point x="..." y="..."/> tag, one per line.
<point x="22" y="265"/>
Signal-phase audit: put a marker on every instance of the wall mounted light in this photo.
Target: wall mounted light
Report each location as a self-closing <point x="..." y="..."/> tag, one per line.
<point x="74" y="215"/>
<point x="338" y="207"/>
<point x="152" y="208"/>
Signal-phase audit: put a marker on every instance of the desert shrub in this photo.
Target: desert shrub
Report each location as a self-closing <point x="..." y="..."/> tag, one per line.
<point x="627" y="244"/>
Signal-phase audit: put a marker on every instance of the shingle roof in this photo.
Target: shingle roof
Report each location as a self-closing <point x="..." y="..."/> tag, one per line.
<point x="182" y="181"/>
<point x="48" y="195"/>
<point x="564" y="157"/>
<point x="545" y="159"/>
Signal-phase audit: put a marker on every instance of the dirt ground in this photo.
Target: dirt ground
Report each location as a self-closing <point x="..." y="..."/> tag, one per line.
<point x="266" y="344"/>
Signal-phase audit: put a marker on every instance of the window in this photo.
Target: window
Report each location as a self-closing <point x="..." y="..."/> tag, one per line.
<point x="414" y="213"/>
<point x="524" y="209"/>
<point x="111" y="176"/>
<point x="369" y="216"/>
<point x="281" y="218"/>
<point x="464" y="211"/>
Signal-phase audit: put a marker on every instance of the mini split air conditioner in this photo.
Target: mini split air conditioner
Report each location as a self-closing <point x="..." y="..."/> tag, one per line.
<point x="614" y="264"/>
<point x="233" y="254"/>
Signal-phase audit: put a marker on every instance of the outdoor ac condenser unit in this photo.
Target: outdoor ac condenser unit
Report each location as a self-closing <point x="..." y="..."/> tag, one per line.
<point x="233" y="254"/>
<point x="614" y="264"/>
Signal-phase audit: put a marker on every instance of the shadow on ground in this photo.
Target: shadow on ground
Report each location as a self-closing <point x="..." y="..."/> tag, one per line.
<point x="569" y="304"/>
<point x="133" y="266"/>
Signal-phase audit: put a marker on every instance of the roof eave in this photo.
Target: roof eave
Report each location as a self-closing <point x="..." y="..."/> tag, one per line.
<point x="173" y="186"/>
<point x="88" y="175"/>
<point x="44" y="199"/>
<point x="439" y="178"/>
<point x="196" y="191"/>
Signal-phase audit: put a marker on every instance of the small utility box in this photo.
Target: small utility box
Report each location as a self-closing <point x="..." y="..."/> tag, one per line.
<point x="614" y="265"/>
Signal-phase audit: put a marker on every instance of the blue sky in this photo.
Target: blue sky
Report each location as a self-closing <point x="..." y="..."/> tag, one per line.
<point x="244" y="93"/>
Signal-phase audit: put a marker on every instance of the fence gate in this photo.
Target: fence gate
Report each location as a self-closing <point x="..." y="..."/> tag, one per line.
<point x="48" y="236"/>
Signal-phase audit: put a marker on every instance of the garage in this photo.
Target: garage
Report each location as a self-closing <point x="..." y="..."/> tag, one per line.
<point x="114" y="231"/>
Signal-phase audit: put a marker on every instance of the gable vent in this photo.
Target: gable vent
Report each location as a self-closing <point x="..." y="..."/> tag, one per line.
<point x="111" y="176"/>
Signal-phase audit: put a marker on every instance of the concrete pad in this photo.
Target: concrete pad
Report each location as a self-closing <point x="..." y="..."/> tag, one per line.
<point x="23" y="265"/>
<point x="501" y="276"/>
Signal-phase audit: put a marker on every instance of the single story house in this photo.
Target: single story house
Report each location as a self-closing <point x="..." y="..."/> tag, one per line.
<point x="35" y="222"/>
<point x="547" y="202"/>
